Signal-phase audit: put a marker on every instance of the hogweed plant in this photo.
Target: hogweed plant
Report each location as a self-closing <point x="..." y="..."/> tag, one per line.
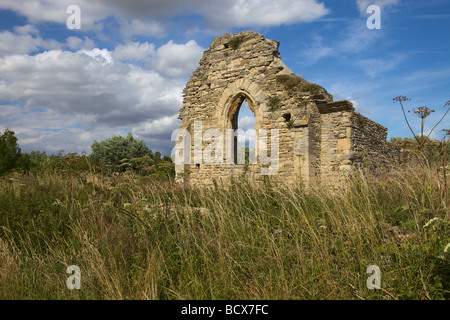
<point x="424" y="112"/>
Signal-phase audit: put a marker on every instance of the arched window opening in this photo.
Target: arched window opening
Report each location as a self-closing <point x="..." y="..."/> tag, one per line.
<point x="246" y="139"/>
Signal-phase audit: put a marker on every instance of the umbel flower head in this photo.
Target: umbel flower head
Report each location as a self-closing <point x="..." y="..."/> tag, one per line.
<point x="422" y="112"/>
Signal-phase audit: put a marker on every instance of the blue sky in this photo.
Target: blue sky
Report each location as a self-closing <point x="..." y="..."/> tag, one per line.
<point x="125" y="69"/>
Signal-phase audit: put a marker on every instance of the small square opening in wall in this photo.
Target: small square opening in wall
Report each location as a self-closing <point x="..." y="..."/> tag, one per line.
<point x="287" y="117"/>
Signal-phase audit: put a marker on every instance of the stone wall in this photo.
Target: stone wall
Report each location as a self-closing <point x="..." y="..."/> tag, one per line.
<point x="318" y="138"/>
<point x="370" y="148"/>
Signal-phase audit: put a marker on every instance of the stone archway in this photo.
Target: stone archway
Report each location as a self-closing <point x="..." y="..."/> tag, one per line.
<point x="229" y="105"/>
<point x="240" y="90"/>
<point x="233" y="120"/>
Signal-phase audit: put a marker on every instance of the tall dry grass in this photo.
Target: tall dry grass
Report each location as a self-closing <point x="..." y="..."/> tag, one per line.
<point x="138" y="238"/>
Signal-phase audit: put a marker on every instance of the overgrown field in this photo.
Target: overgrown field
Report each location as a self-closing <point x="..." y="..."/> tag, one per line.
<point x="137" y="237"/>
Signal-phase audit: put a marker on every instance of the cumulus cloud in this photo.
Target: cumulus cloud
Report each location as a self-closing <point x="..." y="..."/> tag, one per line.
<point x="75" y="43"/>
<point x="171" y="60"/>
<point x="23" y="41"/>
<point x="217" y="14"/>
<point x="158" y="132"/>
<point x="57" y="99"/>
<point x="56" y="10"/>
<point x="26" y="29"/>
<point x="69" y="97"/>
<point x="142" y="28"/>
<point x="88" y="82"/>
<point x="135" y="52"/>
<point x="49" y="130"/>
<point x="177" y="60"/>
<point x="257" y="13"/>
<point x="246" y="123"/>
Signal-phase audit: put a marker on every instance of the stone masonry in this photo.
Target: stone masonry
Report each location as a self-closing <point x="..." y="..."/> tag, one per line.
<point x="319" y="140"/>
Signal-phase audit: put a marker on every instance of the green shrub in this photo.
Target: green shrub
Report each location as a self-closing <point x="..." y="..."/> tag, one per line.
<point x="165" y="169"/>
<point x="142" y="165"/>
<point x="111" y="151"/>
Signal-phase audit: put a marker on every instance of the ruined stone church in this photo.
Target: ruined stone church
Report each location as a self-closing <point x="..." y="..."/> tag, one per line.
<point x="317" y="139"/>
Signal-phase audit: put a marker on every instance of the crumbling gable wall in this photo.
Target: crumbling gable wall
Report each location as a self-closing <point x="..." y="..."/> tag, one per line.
<point x="317" y="139"/>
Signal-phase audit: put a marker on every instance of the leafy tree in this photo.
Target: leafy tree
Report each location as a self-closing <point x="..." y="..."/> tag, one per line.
<point x="165" y="169"/>
<point x="142" y="165"/>
<point x="38" y="156"/>
<point x="111" y="151"/>
<point x="25" y="163"/>
<point x="9" y="152"/>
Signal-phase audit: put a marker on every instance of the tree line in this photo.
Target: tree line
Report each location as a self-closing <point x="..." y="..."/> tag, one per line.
<point x="116" y="155"/>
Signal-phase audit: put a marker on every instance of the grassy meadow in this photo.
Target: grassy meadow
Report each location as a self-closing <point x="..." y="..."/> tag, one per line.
<point x="144" y="237"/>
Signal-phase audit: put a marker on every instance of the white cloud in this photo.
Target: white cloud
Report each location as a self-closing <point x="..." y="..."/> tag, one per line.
<point x="102" y="56"/>
<point x="256" y="13"/>
<point x="56" y="10"/>
<point x="356" y="104"/>
<point x="143" y="14"/>
<point x="158" y="126"/>
<point x="171" y="60"/>
<point x="135" y="52"/>
<point x="47" y="130"/>
<point x="75" y="43"/>
<point x="177" y="60"/>
<point x="23" y="42"/>
<point x="26" y="29"/>
<point x="142" y="28"/>
<point x="66" y="99"/>
<point x="157" y="133"/>
<point x="246" y="123"/>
